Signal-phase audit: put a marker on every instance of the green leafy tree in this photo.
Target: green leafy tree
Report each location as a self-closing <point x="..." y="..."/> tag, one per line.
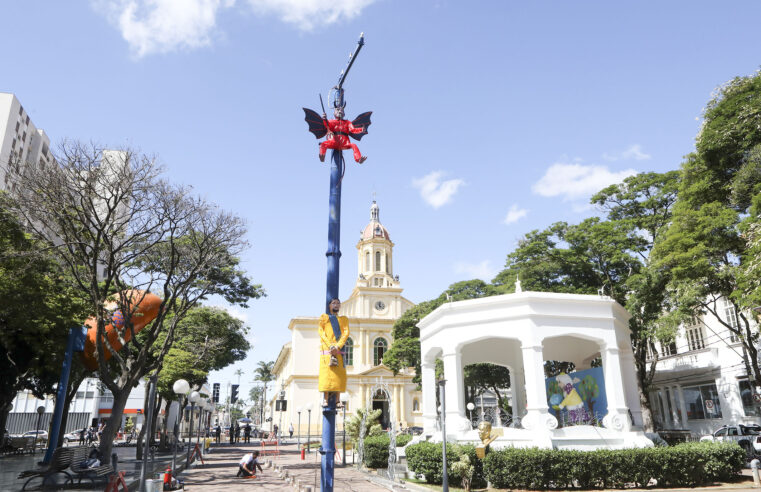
<point x="38" y="307"/>
<point x="719" y="198"/>
<point x="483" y="377"/>
<point x="589" y="392"/>
<point x="372" y="426"/>
<point x="263" y="373"/>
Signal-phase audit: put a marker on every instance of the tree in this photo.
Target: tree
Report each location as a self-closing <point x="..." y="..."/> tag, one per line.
<point x="719" y="198"/>
<point x="483" y="377"/>
<point x="37" y="309"/>
<point x="372" y="427"/>
<point x="263" y="373"/>
<point x="115" y="224"/>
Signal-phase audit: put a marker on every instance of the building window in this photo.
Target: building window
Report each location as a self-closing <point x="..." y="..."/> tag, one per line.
<point x="387" y="265"/>
<point x="367" y="261"/>
<point x="746" y="394"/>
<point x="695" y="338"/>
<point x="668" y="348"/>
<point x="348" y="352"/>
<point x="730" y="316"/>
<point x="702" y="402"/>
<point x="379" y="348"/>
<point x="651" y="352"/>
<point x="415" y="405"/>
<point x="377" y="261"/>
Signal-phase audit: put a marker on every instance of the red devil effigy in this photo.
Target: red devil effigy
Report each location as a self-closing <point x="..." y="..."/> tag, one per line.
<point x="338" y="131"/>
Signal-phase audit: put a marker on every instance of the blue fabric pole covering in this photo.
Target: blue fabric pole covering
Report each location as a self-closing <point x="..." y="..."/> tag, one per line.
<point x="328" y="448"/>
<point x="75" y="343"/>
<point x="334" y="227"/>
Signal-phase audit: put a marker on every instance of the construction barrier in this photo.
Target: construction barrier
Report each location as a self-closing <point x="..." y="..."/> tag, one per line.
<point x="270" y="444"/>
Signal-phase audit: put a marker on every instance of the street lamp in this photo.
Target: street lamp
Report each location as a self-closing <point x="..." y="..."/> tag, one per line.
<point x="201" y="408"/>
<point x="193" y="398"/>
<point x="470" y="411"/>
<point x="309" y="424"/>
<point x="180" y="388"/>
<point x="343" y="399"/>
<point x="40" y="411"/>
<point x="445" y="477"/>
<point x="298" y="436"/>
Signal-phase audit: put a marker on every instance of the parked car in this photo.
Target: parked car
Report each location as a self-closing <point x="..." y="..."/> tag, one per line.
<point x="747" y="436"/>
<point x="414" y="430"/>
<point x="71" y="437"/>
<point x="41" y="435"/>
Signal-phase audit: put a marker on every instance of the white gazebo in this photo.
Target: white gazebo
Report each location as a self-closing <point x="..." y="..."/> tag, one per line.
<point x="520" y="331"/>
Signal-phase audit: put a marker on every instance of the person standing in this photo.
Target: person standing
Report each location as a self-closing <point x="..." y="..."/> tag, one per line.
<point x="218" y="432"/>
<point x="290" y="431"/>
<point x="82" y="436"/>
<point x="231" y="430"/>
<point x="247" y="433"/>
<point x="237" y="432"/>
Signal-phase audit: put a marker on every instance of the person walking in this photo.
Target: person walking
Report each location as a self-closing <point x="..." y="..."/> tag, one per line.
<point x="290" y="431"/>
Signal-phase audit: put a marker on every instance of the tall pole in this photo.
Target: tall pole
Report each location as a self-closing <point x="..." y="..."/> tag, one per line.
<point x="309" y="427"/>
<point x="148" y="430"/>
<point x="190" y="435"/>
<point x="298" y="437"/>
<point x="343" y="458"/>
<point x="445" y="475"/>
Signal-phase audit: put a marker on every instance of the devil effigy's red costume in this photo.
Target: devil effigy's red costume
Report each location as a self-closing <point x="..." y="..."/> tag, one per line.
<point x="338" y="131"/>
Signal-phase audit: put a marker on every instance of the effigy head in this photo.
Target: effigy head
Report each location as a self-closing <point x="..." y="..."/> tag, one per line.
<point x="339" y="113"/>
<point x="484" y="430"/>
<point x="335" y="305"/>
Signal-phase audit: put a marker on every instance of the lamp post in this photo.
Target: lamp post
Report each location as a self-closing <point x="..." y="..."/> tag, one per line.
<point x="201" y="409"/>
<point x="444" y="476"/>
<point x="193" y="398"/>
<point x="470" y="411"/>
<point x="180" y="388"/>
<point x="344" y="399"/>
<point x="40" y="411"/>
<point x="309" y="424"/>
<point x="298" y="436"/>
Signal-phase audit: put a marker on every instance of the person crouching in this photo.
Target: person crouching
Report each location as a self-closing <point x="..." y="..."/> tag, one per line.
<point x="248" y="464"/>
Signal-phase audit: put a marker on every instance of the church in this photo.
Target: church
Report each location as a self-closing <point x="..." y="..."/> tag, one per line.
<point x="376" y="302"/>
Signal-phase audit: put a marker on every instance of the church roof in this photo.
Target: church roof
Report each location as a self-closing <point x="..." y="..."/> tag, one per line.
<point x="374" y="228"/>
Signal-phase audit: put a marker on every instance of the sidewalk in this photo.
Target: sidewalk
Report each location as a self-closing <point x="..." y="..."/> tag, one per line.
<point x="218" y="474"/>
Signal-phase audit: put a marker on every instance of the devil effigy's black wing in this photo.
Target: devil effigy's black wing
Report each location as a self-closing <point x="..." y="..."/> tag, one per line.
<point x="361" y="121"/>
<point x="315" y="123"/>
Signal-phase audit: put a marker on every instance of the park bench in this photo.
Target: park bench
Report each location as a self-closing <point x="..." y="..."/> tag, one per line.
<point x="53" y="476"/>
<point x="80" y="471"/>
<point x="19" y="445"/>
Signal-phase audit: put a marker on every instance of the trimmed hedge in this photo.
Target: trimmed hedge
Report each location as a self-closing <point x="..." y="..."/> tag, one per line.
<point x="684" y="465"/>
<point x="376" y="449"/>
<point x="426" y="458"/>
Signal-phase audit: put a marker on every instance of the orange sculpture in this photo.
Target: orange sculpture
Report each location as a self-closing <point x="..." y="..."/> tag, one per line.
<point x="146" y="308"/>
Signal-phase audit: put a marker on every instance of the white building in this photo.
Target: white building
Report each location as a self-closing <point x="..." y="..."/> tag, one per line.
<point x="21" y="143"/>
<point x="374" y="305"/>
<point x="701" y="379"/>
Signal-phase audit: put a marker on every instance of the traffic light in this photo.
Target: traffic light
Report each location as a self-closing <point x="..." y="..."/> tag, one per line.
<point x="234" y="394"/>
<point x="215" y="393"/>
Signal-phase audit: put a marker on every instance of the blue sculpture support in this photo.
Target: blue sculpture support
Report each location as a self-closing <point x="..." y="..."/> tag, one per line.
<point x="334" y="227"/>
<point x="75" y="343"/>
<point x="328" y="447"/>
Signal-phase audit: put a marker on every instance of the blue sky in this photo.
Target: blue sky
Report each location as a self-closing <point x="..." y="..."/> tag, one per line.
<point x="490" y="119"/>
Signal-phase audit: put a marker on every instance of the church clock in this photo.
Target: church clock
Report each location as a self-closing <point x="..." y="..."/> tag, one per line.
<point x="380" y="306"/>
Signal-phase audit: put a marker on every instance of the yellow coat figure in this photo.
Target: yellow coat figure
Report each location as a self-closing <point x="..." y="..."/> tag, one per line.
<point x="332" y="379"/>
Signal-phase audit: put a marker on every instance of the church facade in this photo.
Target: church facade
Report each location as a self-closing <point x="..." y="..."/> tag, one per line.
<point x="375" y="303"/>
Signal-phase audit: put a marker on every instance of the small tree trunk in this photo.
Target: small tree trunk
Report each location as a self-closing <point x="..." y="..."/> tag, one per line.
<point x="112" y="424"/>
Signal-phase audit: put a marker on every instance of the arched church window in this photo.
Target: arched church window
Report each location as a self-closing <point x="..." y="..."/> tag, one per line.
<point x="367" y="260"/>
<point x="377" y="261"/>
<point x="415" y="405"/>
<point x="380" y="346"/>
<point x="348" y="352"/>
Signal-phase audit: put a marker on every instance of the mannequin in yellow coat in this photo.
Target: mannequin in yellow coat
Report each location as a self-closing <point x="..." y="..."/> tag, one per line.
<point x="332" y="378"/>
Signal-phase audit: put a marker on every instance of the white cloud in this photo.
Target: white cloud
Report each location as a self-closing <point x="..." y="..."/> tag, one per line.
<point x="434" y="191"/>
<point x="574" y="180"/>
<point x="514" y="214"/>
<point x="633" y="152"/>
<point x="482" y="270"/>
<point x="308" y="14"/>
<point x="162" y="26"/>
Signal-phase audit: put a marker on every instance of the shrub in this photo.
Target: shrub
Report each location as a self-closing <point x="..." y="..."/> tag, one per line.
<point x="376" y="451"/>
<point x="685" y="465"/>
<point x="426" y="458"/>
<point x="402" y="440"/>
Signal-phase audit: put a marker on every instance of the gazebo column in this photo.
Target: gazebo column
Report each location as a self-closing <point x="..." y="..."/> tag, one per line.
<point x="428" y="381"/>
<point x="516" y="390"/>
<point x="537" y="418"/>
<point x="455" y="393"/>
<point x="618" y="413"/>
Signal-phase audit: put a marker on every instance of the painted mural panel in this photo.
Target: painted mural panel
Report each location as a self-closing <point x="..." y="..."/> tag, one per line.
<point x="577" y="398"/>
